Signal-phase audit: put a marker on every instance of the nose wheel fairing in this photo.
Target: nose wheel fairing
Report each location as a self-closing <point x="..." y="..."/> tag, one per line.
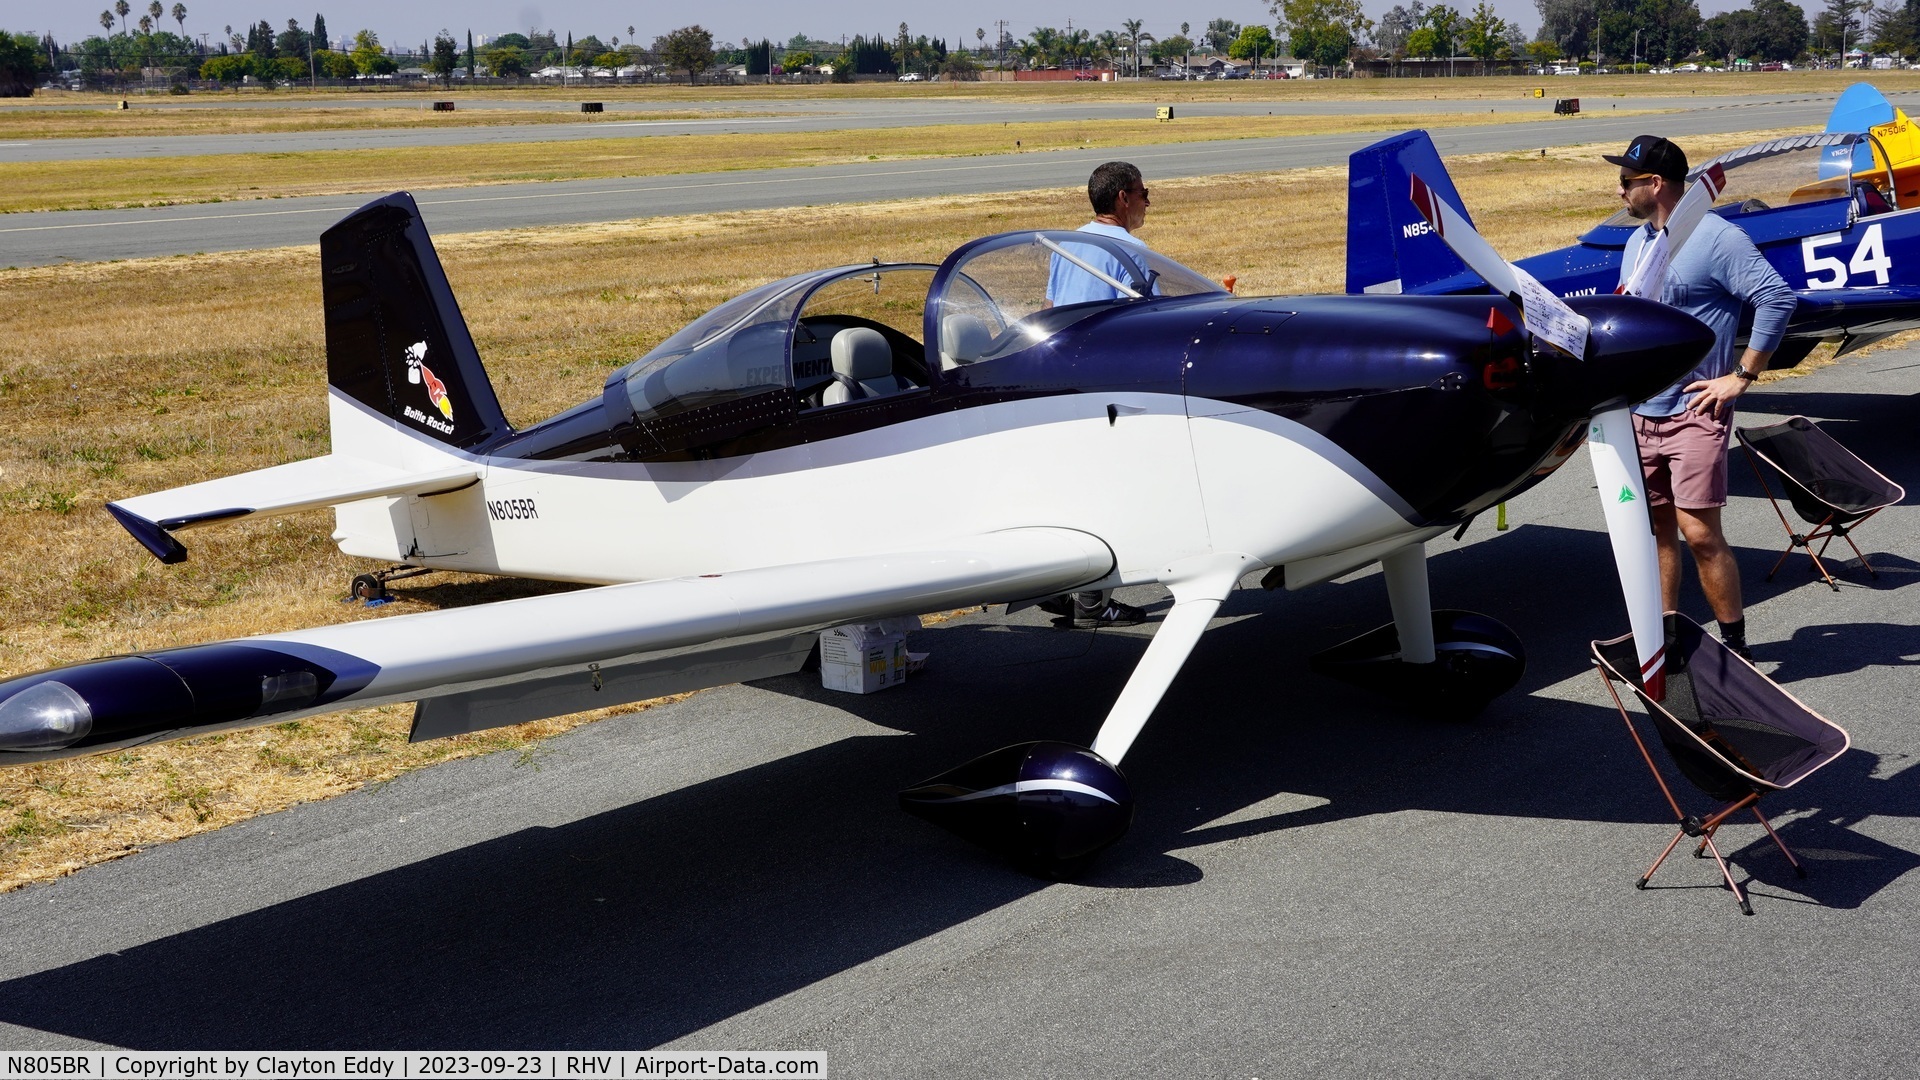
<point x="1048" y="807"/>
<point x="1476" y="659"/>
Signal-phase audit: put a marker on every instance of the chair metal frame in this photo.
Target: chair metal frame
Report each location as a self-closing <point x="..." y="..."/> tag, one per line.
<point x="1705" y="828"/>
<point x="1828" y="528"/>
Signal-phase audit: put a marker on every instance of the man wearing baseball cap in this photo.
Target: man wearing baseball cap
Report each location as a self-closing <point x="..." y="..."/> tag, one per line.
<point x="1683" y="430"/>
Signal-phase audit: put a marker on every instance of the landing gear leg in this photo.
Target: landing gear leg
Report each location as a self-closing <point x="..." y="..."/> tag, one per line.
<point x="1050" y="806"/>
<point x="374" y="586"/>
<point x="1447" y="663"/>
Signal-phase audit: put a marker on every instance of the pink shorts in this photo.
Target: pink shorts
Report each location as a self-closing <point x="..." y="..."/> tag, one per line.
<point x="1684" y="459"/>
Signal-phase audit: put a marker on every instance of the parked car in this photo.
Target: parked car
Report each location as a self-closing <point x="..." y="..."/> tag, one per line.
<point x="912" y="76"/>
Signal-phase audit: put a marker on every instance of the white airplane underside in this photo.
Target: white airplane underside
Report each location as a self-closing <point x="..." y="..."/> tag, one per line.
<point x="873" y="441"/>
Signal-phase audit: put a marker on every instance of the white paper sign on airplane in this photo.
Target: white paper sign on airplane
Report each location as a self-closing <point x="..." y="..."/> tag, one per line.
<point x="1546" y="316"/>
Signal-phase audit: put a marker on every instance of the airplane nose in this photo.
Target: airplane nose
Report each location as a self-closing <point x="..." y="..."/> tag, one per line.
<point x="1635" y="348"/>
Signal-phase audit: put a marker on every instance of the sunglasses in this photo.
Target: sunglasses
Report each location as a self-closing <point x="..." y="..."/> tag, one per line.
<point x="1629" y="180"/>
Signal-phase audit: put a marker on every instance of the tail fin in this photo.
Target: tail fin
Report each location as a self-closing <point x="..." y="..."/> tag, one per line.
<point x="396" y="342"/>
<point x="1390" y="247"/>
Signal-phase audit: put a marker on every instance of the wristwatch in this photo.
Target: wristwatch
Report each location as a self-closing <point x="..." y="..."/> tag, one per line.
<point x="1744" y="375"/>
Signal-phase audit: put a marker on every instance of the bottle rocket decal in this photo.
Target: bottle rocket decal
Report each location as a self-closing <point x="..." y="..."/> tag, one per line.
<point x="418" y="371"/>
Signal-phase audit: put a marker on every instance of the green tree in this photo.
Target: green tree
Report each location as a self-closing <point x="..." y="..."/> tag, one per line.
<point x="368" y="57"/>
<point x="1253" y="42"/>
<point x="799" y="60"/>
<point x="1448" y="27"/>
<point x="229" y="70"/>
<point x="959" y="67"/>
<point x="1424" y="42"/>
<point x="120" y="8"/>
<point x="1400" y="21"/>
<point x="1323" y="31"/>
<point x="320" y="38"/>
<point x="470" y="64"/>
<point x="446" y="57"/>
<point x="1046" y="46"/>
<point x="1780" y="29"/>
<point x="1131" y="32"/>
<point x="1171" y="47"/>
<point x="1220" y="33"/>
<point x="688" y="49"/>
<point x="22" y="64"/>
<point x="180" y="17"/>
<point x="333" y="65"/>
<point x="1569" y="24"/>
<point x="293" y="42"/>
<point x="514" y="41"/>
<point x="760" y="58"/>
<point x="506" y="61"/>
<point x="1484" y="32"/>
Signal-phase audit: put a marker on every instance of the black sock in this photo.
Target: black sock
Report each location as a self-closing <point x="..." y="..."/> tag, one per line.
<point x="1735" y="632"/>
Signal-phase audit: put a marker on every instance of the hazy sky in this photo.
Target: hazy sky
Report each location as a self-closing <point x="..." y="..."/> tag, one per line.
<point x="730" y="20"/>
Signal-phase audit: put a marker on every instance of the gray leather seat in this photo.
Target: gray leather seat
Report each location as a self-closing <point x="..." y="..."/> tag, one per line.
<point x="963" y="339"/>
<point x="862" y="367"/>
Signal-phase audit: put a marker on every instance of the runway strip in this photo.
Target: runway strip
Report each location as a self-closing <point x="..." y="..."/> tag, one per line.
<point x="41" y="238"/>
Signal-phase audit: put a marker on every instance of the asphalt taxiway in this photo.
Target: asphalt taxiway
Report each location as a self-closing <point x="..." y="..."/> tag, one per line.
<point x="1317" y="884"/>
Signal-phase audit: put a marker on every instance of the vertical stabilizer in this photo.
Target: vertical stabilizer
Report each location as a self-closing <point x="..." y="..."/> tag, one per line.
<point x="1390" y="247"/>
<point x="396" y="342"/>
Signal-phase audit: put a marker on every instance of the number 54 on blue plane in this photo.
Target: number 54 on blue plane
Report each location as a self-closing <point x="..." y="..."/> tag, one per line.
<point x="1836" y="212"/>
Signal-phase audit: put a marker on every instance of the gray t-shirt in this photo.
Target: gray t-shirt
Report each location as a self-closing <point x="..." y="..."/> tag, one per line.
<point x="1714" y="278"/>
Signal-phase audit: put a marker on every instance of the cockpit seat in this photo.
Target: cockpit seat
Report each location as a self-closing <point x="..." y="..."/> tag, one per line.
<point x="963" y="339"/>
<point x="1870" y="201"/>
<point x="862" y="367"/>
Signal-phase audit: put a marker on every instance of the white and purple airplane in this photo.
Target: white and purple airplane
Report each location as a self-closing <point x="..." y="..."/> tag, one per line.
<point x="884" y="440"/>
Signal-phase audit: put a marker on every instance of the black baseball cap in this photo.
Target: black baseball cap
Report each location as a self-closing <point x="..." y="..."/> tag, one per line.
<point x="1652" y="154"/>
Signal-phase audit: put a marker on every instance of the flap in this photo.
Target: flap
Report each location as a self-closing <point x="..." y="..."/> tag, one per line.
<point x="444" y="652"/>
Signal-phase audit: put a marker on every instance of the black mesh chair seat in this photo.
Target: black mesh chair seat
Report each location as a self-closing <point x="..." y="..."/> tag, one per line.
<point x="1827" y="485"/>
<point x="1732" y="732"/>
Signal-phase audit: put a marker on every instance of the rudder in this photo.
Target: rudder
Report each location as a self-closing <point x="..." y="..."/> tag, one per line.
<point x="396" y="341"/>
<point x="1379" y="179"/>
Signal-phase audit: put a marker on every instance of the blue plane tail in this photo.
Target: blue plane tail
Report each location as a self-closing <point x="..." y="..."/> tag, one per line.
<point x="1390" y="247"/>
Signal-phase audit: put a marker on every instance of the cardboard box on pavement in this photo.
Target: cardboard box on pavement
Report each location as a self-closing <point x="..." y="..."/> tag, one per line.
<point x="861" y="658"/>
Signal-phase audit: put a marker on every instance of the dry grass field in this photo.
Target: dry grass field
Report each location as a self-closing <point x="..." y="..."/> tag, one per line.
<point x="160" y="181"/>
<point x="118" y="379"/>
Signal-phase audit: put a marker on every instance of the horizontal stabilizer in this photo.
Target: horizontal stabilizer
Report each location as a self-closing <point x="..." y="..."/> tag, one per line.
<point x="312" y="484"/>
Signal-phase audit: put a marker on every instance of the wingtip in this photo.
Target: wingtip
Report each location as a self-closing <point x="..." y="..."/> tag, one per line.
<point x="150" y="535"/>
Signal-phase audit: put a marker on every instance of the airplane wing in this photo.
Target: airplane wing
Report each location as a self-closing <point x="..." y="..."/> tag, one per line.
<point x="565" y="653"/>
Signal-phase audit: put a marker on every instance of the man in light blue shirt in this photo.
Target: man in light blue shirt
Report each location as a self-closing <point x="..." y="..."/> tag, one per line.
<point x="1683" y="429"/>
<point x="1119" y="198"/>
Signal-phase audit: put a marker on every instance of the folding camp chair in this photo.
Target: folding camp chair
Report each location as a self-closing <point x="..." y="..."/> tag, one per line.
<point x="1830" y="488"/>
<point x="1733" y="732"/>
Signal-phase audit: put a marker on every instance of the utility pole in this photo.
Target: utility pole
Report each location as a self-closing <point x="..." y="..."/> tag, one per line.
<point x="1636" y="52"/>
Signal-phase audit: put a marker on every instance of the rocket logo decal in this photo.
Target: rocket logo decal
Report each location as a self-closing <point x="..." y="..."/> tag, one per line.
<point x="418" y="371"/>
